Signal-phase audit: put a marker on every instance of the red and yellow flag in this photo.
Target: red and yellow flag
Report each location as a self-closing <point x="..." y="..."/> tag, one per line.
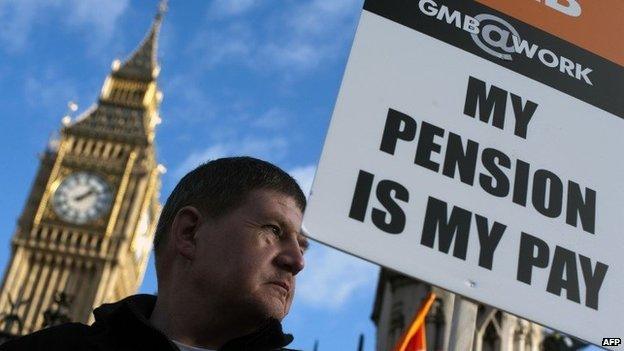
<point x="414" y="338"/>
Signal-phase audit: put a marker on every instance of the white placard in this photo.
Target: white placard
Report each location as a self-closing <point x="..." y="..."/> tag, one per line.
<point x="393" y="187"/>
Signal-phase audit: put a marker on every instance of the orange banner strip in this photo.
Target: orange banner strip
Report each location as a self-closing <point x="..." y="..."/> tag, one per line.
<point x="416" y="324"/>
<point x="594" y="25"/>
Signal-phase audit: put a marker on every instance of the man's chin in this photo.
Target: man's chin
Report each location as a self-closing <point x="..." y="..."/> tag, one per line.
<point x="276" y="301"/>
<point x="274" y="307"/>
<point x="259" y="309"/>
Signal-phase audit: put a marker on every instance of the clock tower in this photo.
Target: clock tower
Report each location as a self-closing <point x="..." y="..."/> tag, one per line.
<point x="85" y="233"/>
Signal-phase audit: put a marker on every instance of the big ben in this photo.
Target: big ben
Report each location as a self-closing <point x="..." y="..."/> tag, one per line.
<point x="84" y="235"/>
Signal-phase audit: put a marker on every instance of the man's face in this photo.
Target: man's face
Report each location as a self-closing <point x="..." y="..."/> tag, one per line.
<point x="246" y="261"/>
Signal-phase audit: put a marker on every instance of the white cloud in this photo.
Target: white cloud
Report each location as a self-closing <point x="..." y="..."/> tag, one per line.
<point x="314" y="32"/>
<point x="229" y="43"/>
<point x="100" y="16"/>
<point x="332" y="278"/>
<point x="294" y="37"/>
<point x="304" y="176"/>
<point x="267" y="149"/>
<point x="97" y="18"/>
<point x="50" y="92"/>
<point x="199" y="157"/>
<point x="185" y="101"/>
<point x="273" y="119"/>
<point x="323" y="17"/>
<point x="299" y="55"/>
<point x="231" y="7"/>
<point x="17" y="17"/>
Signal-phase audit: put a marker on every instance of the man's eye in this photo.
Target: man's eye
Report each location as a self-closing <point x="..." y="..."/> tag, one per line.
<point x="275" y="230"/>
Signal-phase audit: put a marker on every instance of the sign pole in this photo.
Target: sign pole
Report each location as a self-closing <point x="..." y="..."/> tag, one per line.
<point x="463" y="324"/>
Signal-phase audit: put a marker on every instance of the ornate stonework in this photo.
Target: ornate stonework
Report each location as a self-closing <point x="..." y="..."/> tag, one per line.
<point x="398" y="298"/>
<point x="85" y="233"/>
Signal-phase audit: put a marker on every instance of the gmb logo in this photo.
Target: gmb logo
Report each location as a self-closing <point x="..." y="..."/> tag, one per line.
<point x="500" y="39"/>
<point x="496" y="36"/>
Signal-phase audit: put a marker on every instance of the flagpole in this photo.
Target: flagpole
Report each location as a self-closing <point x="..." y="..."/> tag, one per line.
<point x="463" y="324"/>
<point x="415" y="337"/>
<point x="361" y="343"/>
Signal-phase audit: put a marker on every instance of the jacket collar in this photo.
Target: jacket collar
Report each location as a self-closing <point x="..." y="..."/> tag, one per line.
<point x="134" y="311"/>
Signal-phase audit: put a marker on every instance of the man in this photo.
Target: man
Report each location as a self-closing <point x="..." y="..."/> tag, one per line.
<point x="227" y="248"/>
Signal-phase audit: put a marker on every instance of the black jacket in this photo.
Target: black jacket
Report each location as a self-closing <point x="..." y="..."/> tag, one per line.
<point x="124" y="326"/>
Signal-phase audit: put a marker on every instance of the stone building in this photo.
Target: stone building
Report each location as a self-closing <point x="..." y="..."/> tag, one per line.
<point x="398" y="298"/>
<point x="85" y="232"/>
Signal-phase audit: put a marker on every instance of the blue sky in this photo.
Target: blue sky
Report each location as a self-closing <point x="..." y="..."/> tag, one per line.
<point x="238" y="77"/>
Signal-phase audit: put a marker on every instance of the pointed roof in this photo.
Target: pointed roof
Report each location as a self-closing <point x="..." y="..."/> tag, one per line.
<point x="112" y="122"/>
<point x="143" y="62"/>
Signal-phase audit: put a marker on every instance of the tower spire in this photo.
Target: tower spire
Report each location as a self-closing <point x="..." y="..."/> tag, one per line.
<point x="143" y="62"/>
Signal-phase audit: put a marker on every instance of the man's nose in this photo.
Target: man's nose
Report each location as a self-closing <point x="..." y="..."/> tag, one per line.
<point x="291" y="257"/>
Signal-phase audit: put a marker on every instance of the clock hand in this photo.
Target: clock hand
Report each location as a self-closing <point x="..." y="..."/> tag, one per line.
<point x="85" y="195"/>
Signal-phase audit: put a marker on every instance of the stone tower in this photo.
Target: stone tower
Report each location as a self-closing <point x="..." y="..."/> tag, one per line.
<point x="398" y="298"/>
<point x="85" y="233"/>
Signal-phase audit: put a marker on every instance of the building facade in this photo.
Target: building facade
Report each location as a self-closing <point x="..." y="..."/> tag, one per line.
<point x="85" y="232"/>
<point x="398" y="298"/>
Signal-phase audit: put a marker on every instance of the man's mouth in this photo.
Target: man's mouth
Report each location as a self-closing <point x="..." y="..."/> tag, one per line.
<point x="285" y="286"/>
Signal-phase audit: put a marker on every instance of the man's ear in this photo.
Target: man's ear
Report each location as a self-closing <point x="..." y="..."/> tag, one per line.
<point x="185" y="226"/>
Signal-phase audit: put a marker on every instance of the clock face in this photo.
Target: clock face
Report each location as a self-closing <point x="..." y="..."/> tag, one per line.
<point x="82" y="197"/>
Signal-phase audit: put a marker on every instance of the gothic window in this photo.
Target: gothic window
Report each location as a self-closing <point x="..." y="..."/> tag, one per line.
<point x="397" y="324"/>
<point x="435" y="324"/>
<point x="489" y="328"/>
